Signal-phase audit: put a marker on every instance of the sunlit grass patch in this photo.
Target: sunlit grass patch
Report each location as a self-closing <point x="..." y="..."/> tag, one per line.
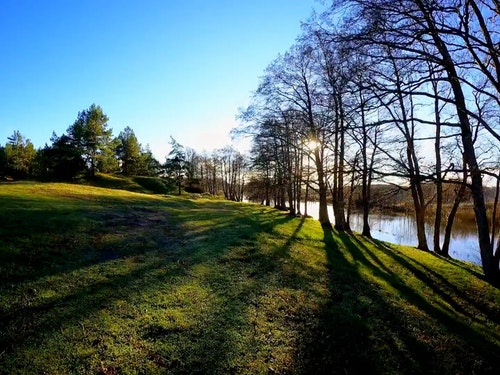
<point x="101" y="281"/>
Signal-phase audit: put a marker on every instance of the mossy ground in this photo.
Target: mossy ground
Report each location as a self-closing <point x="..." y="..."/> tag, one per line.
<point x="105" y="281"/>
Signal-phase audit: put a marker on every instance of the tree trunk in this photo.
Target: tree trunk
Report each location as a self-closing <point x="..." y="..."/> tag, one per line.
<point x="298" y="182"/>
<point x="306" y="195"/>
<point x="439" y="182"/>
<point x="407" y="128"/>
<point x="490" y="269"/>
<point x="340" y="187"/>
<point x="445" y="250"/>
<point x="352" y="189"/>
<point x="267" y="182"/>
<point x="338" y="178"/>
<point x="322" y="191"/>
<point x="365" y="189"/>
<point x="494" y="213"/>
<point x="419" y="218"/>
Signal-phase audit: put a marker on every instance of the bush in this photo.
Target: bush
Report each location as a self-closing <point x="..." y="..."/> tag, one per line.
<point x="194" y="189"/>
<point x="155" y="185"/>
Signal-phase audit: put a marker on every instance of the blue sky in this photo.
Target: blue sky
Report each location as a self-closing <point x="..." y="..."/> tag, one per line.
<point x="162" y="67"/>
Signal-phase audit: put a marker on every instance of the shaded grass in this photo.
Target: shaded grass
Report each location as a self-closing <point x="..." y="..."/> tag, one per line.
<point x="137" y="184"/>
<point x="110" y="181"/>
<point x="155" y="184"/>
<point x="105" y="281"/>
<point x="407" y="311"/>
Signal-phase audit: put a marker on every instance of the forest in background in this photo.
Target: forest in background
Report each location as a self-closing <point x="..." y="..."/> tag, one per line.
<point x="89" y="147"/>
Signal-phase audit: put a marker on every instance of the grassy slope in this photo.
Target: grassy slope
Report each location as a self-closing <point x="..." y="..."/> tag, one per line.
<point x="105" y="281"/>
<point x="148" y="185"/>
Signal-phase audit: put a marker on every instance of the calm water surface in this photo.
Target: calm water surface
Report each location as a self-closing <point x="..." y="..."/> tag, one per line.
<point x="401" y="229"/>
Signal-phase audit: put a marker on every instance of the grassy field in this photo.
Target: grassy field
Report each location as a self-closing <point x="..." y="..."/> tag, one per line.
<point x="102" y="281"/>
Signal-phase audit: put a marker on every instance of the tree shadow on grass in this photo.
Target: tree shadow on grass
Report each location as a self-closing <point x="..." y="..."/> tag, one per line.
<point x="444" y="288"/>
<point x="376" y="320"/>
<point x="127" y="271"/>
<point x="256" y="319"/>
<point x="460" y="264"/>
<point x="40" y="238"/>
<point x="205" y="287"/>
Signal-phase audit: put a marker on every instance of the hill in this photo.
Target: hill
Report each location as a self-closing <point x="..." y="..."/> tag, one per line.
<point x="137" y="184"/>
<point x="102" y="281"/>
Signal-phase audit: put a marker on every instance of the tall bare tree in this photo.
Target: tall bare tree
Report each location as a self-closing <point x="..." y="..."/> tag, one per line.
<point x="408" y="26"/>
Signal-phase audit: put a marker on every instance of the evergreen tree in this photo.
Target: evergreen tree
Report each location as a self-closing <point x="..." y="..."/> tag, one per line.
<point x="90" y="135"/>
<point x="129" y="152"/>
<point x="148" y="165"/>
<point x="176" y="165"/>
<point x="61" y="160"/>
<point x="19" y="154"/>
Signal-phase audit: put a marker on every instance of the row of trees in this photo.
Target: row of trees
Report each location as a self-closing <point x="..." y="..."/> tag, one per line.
<point x="224" y="172"/>
<point x="403" y="92"/>
<point x="88" y="146"/>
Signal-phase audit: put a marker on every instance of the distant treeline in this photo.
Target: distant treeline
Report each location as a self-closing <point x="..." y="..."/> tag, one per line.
<point x="88" y="146"/>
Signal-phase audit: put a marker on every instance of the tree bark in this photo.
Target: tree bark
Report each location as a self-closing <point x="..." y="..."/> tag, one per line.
<point x="490" y="270"/>
<point x="445" y="250"/>
<point x="322" y="191"/>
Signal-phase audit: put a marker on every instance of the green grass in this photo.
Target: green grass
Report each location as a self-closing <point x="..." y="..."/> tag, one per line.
<point x="137" y="184"/>
<point x="101" y="281"/>
<point x="155" y="184"/>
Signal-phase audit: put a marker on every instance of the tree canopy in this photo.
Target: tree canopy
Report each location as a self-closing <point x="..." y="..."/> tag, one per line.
<point x="90" y="135"/>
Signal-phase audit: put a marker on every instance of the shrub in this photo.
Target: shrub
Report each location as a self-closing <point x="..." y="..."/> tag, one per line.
<point x="155" y="184"/>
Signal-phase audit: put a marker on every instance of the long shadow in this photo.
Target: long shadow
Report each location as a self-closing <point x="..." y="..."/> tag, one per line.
<point x="248" y="276"/>
<point x="456" y="325"/>
<point x="238" y="279"/>
<point x="43" y="238"/>
<point x="458" y="263"/>
<point x="440" y="285"/>
<point x="359" y="307"/>
<point x="347" y="345"/>
<point x="49" y="237"/>
<point x="28" y="316"/>
<point x="258" y="269"/>
<point x="408" y="265"/>
<point x="35" y="320"/>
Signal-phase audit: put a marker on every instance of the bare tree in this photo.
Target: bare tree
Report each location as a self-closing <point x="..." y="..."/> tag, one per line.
<point x="418" y="29"/>
<point x="289" y="92"/>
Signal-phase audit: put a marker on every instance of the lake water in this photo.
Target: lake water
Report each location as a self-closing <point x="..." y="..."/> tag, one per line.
<point x="401" y="229"/>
